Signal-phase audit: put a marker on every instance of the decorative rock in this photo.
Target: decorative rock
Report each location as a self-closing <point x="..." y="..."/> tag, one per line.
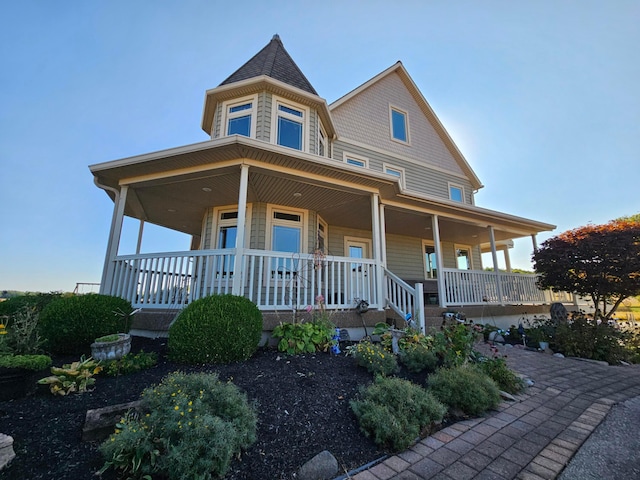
<point x="507" y="396"/>
<point x="496" y="337"/>
<point x="323" y="466"/>
<point x="558" y="313"/>
<point x="100" y="423"/>
<point x="508" y="345"/>
<point x="6" y="450"/>
<point x="559" y="355"/>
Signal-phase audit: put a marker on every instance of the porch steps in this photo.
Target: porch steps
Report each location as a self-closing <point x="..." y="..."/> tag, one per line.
<point x="153" y="323"/>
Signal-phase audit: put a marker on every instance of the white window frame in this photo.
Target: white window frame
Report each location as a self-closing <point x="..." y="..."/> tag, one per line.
<point x="346" y="156"/>
<point x="271" y="222"/>
<point x="400" y="170"/>
<point x="324" y="233"/>
<point x="276" y="113"/>
<point x="402" y="111"/>
<point x="459" y="187"/>
<point x="427" y="274"/>
<point x="322" y="140"/>
<point x="216" y="223"/>
<point x="459" y="246"/>
<point x="226" y="115"/>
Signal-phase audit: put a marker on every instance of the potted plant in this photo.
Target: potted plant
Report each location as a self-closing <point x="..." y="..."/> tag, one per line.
<point x="116" y="345"/>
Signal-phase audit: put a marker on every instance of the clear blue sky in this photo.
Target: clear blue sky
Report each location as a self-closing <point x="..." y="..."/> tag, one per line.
<point x="542" y="97"/>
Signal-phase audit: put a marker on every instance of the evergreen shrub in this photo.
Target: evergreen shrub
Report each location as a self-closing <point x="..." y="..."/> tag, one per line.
<point x="69" y="325"/>
<point x="216" y="329"/>
<point x="464" y="388"/>
<point x="194" y="427"/>
<point x="500" y="373"/>
<point x="394" y="412"/>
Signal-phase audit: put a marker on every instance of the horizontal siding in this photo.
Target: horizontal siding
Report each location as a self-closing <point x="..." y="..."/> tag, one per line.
<point x="404" y="257"/>
<point x="365" y="118"/>
<point x="258" y="226"/>
<point x="418" y="178"/>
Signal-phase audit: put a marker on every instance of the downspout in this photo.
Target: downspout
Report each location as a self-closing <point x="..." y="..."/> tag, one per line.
<point x="107" y="259"/>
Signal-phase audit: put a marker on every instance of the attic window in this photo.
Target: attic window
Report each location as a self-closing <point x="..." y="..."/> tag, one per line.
<point x="456" y="193"/>
<point x="399" y="126"/>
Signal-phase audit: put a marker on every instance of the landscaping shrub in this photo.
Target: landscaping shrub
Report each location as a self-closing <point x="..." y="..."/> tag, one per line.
<point x="72" y="377"/>
<point x="71" y="324"/>
<point x="500" y="373"/>
<point x="307" y="337"/>
<point x="418" y="358"/>
<point x="37" y="301"/>
<point x="130" y="363"/>
<point x="454" y="344"/>
<point x="29" y="362"/>
<point x="394" y="412"/>
<point x="374" y="358"/>
<point x="586" y="338"/>
<point x="216" y="329"/>
<point x="464" y="388"/>
<point x="195" y="425"/>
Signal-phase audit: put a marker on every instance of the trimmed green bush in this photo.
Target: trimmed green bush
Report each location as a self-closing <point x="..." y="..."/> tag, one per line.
<point x="37" y="301"/>
<point x="29" y="362"/>
<point x="464" y="388"/>
<point x="586" y="338"/>
<point x="216" y="329"/>
<point x="418" y="358"/>
<point x="69" y="325"/>
<point x="497" y="369"/>
<point x="394" y="412"/>
<point x="195" y="426"/>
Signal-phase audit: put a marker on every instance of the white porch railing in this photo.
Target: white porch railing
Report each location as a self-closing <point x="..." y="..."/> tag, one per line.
<point x="405" y="299"/>
<point x="477" y="287"/>
<point x="272" y="280"/>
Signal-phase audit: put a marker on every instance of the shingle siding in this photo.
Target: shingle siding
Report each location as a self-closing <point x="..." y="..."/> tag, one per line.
<point x="373" y="105"/>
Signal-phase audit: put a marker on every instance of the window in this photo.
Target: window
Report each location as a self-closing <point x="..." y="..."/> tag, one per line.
<point x="290" y="125"/>
<point x="430" y="260"/>
<point x="322" y="142"/>
<point x="321" y="237"/>
<point x="399" y="127"/>
<point x="286" y="231"/>
<point x="355" y="160"/>
<point x="463" y="257"/>
<point x="456" y="193"/>
<point x="239" y="117"/>
<point x="227" y="233"/>
<point x="395" y="171"/>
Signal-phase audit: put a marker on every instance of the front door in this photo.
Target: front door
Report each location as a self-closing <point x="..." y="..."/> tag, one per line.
<point x="358" y="286"/>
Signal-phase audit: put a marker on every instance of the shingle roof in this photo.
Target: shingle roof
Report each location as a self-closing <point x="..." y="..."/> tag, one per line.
<point x="273" y="61"/>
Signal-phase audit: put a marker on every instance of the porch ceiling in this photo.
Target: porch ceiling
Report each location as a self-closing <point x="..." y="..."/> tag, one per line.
<point x="173" y="188"/>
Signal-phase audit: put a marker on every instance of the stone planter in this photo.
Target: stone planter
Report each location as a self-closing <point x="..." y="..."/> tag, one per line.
<point x="112" y="350"/>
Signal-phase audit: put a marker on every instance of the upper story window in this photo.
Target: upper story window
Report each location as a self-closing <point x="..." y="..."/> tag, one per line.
<point x="322" y="142"/>
<point x="355" y="160"/>
<point x="399" y="125"/>
<point x="290" y="123"/>
<point x="240" y="117"/>
<point x="395" y="171"/>
<point x="456" y="193"/>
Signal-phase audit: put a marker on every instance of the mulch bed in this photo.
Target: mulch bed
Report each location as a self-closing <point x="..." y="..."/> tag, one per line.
<point x="303" y="409"/>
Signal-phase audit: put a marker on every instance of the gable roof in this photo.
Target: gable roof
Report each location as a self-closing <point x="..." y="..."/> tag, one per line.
<point x="428" y="112"/>
<point x="272" y="61"/>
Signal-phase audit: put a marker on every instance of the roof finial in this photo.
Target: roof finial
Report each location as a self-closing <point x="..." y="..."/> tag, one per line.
<point x="276" y="37"/>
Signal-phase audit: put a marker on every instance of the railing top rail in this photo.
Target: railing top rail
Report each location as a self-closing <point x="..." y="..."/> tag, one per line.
<point x="187" y="253"/>
<point x="399" y="281"/>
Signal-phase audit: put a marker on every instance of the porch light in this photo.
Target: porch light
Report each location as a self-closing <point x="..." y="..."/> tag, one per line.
<point x="297" y="194"/>
<point x="206" y="189"/>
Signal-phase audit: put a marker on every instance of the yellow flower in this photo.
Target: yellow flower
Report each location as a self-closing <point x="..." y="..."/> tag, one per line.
<point x="176" y="407"/>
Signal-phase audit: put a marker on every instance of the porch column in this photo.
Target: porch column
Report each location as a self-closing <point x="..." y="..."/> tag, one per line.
<point x="535" y="242"/>
<point x="377" y="249"/>
<point x="383" y="236"/>
<point x="496" y="270"/>
<point x="439" y="265"/>
<point x="236" y="288"/>
<point x="507" y="258"/>
<point x="140" y="231"/>
<point x="114" y="239"/>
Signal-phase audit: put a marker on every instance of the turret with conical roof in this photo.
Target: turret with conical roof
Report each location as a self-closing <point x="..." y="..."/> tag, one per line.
<point x="275" y="62"/>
